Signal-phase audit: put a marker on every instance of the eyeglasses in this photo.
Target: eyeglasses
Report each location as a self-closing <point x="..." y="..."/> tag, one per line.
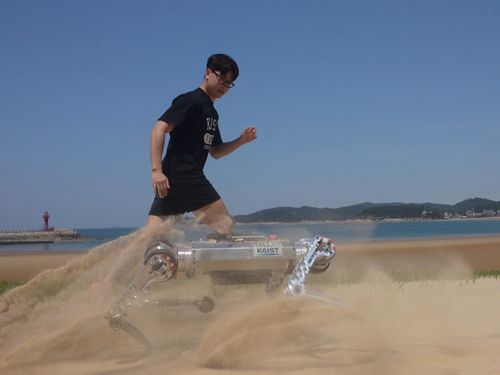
<point x="223" y="80"/>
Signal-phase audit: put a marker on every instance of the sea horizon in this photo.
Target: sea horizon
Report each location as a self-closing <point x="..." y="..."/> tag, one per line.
<point x="339" y="231"/>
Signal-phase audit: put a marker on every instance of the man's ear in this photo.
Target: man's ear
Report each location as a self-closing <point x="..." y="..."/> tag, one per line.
<point x="207" y="73"/>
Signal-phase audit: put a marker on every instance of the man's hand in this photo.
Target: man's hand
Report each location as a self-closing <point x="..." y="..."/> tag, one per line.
<point x="159" y="180"/>
<point x="248" y="134"/>
<point x="160" y="184"/>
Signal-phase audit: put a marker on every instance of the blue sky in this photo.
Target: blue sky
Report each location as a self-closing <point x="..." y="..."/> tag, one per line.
<point x="354" y="101"/>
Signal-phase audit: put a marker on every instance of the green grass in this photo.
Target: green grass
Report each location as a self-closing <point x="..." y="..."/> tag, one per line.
<point x="5" y="286"/>
<point x="407" y="277"/>
<point x="45" y="289"/>
<point x="351" y="278"/>
<point x="486" y="275"/>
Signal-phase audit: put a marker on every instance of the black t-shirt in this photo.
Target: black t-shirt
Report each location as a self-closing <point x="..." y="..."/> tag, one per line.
<point x="196" y="130"/>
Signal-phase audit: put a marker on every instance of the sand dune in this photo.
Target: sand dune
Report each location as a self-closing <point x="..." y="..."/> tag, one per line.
<point x="56" y="325"/>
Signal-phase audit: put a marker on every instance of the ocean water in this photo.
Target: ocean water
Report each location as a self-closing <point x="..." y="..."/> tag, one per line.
<point x="339" y="232"/>
<point x="352" y="232"/>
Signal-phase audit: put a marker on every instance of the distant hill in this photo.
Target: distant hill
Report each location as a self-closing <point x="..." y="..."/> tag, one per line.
<point x="472" y="203"/>
<point x="305" y="213"/>
<point x="495" y="206"/>
<point x="362" y="210"/>
<point x="403" y="211"/>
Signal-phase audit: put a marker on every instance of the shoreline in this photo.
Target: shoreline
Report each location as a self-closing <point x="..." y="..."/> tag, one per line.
<point x="356" y="221"/>
<point x="473" y="252"/>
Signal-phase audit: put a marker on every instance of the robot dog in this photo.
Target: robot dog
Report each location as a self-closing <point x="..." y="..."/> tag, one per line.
<point x="245" y="258"/>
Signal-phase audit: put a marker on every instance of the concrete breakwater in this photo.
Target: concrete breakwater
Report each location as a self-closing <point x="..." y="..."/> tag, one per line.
<point x="33" y="236"/>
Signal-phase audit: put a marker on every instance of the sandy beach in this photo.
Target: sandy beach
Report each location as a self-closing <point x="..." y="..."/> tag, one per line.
<point x="17" y="267"/>
<point x="480" y="253"/>
<point x="55" y="325"/>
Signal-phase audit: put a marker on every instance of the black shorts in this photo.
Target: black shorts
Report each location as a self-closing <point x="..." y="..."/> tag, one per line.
<point x="182" y="198"/>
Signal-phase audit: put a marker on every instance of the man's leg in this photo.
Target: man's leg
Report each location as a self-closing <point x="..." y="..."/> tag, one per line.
<point x="152" y="219"/>
<point x="216" y="216"/>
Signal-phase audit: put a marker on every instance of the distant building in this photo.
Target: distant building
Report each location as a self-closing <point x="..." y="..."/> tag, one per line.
<point x="488" y="213"/>
<point x="470" y="213"/>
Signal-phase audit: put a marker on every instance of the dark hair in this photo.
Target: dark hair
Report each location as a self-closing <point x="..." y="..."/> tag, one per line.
<point x="224" y="64"/>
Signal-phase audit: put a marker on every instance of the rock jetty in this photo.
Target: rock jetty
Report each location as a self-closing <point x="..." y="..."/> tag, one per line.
<point x="34" y="236"/>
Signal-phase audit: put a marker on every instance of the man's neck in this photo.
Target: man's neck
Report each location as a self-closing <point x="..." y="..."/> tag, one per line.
<point x="204" y="88"/>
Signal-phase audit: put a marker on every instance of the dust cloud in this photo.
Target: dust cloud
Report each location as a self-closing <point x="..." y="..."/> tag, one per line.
<point x="55" y="325"/>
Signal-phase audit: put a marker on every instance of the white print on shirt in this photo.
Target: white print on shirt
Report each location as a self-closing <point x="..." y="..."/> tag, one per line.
<point x="209" y="138"/>
<point x="211" y="123"/>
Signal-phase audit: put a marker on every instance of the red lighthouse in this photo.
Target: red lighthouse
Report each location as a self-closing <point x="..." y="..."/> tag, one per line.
<point x="46" y="222"/>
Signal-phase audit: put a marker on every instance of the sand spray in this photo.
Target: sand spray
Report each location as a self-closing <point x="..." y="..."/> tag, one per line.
<point x="55" y="324"/>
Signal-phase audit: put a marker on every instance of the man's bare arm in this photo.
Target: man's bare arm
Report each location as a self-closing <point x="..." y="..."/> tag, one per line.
<point x="248" y="135"/>
<point x="156" y="146"/>
<point x="129" y="255"/>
